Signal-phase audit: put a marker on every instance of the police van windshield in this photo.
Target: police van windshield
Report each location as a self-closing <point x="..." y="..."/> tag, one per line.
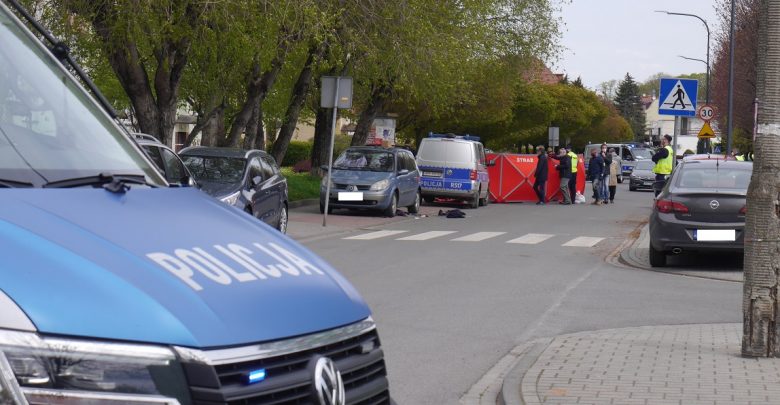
<point x="50" y="129"/>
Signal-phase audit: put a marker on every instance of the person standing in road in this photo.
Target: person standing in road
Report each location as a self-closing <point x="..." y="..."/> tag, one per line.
<point x="573" y="181"/>
<point x="605" y="174"/>
<point x="564" y="170"/>
<point x="663" y="164"/>
<point x="596" y="172"/>
<point x="540" y="182"/>
<point x="613" y="170"/>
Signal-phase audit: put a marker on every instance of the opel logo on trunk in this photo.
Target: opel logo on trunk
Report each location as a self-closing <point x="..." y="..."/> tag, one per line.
<point x="327" y="383"/>
<point x="714" y="204"/>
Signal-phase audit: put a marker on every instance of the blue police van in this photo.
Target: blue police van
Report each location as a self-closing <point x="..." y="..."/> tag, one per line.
<point x="118" y="288"/>
<point x="454" y="167"/>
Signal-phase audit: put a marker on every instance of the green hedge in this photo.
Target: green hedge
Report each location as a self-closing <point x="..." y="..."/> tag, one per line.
<point x="297" y="151"/>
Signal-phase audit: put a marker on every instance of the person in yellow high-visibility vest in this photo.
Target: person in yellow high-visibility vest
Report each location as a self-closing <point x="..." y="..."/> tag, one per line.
<point x="663" y="164"/>
<point x="573" y="181"/>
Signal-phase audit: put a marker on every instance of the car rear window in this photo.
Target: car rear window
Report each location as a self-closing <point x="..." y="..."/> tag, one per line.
<point x="711" y="177"/>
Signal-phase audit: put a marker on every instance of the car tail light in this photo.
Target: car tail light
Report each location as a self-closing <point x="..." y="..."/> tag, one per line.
<point x="669" y="206"/>
<point x="743" y="210"/>
<point x="473" y="175"/>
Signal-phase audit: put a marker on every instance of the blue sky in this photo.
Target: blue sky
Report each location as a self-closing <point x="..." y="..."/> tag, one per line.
<point x="604" y="39"/>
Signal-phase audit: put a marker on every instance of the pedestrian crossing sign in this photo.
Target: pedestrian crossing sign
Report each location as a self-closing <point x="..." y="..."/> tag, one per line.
<point x="678" y="97"/>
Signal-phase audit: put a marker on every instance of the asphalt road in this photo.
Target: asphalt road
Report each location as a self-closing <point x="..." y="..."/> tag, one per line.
<point x="449" y="309"/>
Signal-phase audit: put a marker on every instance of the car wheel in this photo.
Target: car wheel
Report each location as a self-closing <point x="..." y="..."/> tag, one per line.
<point x="657" y="257"/>
<point x="322" y="208"/>
<point x="282" y="226"/>
<point x="485" y="201"/>
<point x="390" y="210"/>
<point x="415" y="208"/>
<point x="475" y="201"/>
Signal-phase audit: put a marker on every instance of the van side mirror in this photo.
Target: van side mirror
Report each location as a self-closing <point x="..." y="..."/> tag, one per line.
<point x="491" y="163"/>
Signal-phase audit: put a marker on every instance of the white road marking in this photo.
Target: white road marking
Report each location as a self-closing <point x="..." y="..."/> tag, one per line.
<point x="478" y="237"/>
<point x="375" y="235"/>
<point x="531" y="239"/>
<point x="427" y="235"/>
<point x="583" y="241"/>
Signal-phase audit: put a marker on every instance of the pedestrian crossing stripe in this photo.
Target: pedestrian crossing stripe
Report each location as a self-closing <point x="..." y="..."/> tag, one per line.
<point x="527" y="239"/>
<point x="678" y="97"/>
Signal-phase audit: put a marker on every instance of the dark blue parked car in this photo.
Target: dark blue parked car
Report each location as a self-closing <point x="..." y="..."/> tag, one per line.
<point x="247" y="179"/>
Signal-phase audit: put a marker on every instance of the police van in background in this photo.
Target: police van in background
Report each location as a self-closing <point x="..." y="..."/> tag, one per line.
<point x="112" y="294"/>
<point x="454" y="167"/>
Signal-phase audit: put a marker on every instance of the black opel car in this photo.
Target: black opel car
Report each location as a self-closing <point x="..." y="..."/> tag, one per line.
<point x="247" y="179"/>
<point x="701" y="208"/>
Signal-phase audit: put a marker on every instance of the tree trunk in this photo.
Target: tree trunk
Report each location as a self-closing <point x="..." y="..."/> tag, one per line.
<point x="260" y="135"/>
<point x="322" y="135"/>
<point x="300" y="91"/>
<point x="251" y="128"/>
<point x="201" y="124"/>
<point x="762" y="226"/>
<point x="379" y="96"/>
<point x="256" y="91"/>
<point x="214" y="129"/>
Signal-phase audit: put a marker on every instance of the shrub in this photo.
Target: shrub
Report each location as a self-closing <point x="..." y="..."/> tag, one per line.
<point x="296" y="152"/>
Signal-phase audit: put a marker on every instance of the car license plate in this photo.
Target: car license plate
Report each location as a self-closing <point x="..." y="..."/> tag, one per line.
<point x="350" y="196"/>
<point x="715" y="235"/>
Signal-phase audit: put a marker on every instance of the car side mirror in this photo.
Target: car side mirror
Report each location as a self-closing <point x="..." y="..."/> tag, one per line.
<point x="403" y="172"/>
<point x="491" y="163"/>
<point x="257" y="180"/>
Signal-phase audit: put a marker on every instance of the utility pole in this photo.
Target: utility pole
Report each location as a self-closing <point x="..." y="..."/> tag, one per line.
<point x="762" y="226"/>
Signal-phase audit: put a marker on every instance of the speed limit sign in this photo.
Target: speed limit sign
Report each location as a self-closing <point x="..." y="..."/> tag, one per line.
<point x="706" y="112"/>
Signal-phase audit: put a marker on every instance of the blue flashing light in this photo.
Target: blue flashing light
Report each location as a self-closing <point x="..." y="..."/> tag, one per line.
<point x="466" y="137"/>
<point x="255" y="376"/>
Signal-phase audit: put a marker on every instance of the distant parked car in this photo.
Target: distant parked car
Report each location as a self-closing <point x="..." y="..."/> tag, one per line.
<point x="375" y="178"/>
<point x="642" y="176"/>
<point x="247" y="179"/>
<point x="166" y="160"/>
<point x="701" y="208"/>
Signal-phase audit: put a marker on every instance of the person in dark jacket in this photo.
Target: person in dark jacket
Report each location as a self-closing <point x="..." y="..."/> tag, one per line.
<point x="596" y="173"/>
<point x="605" y="174"/>
<point x="540" y="175"/>
<point x="564" y="171"/>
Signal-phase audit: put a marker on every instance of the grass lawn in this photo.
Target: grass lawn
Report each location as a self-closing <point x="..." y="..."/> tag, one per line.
<point x="301" y="186"/>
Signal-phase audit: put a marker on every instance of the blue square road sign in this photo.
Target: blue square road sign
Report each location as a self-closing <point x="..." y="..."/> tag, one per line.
<point x="678" y="97"/>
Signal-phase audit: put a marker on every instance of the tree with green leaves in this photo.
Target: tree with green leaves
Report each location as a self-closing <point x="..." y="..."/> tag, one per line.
<point x="629" y="104"/>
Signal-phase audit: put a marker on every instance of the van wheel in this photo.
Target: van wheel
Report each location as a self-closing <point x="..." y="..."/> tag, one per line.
<point x="415" y="208"/>
<point x="475" y="201"/>
<point x="390" y="210"/>
<point x="657" y="257"/>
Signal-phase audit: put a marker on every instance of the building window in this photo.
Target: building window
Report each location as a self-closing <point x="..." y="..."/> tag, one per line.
<point x="181" y="138"/>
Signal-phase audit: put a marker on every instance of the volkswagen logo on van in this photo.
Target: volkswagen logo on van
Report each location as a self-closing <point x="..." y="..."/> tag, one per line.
<point x="351" y="187"/>
<point x="326" y="382"/>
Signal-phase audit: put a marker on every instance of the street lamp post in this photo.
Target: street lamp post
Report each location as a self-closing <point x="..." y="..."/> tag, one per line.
<point x="707" y="27"/>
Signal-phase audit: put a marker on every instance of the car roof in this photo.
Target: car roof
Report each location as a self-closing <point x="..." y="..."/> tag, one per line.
<point x="377" y="149"/>
<point x="707" y="163"/>
<point x="213" y="151"/>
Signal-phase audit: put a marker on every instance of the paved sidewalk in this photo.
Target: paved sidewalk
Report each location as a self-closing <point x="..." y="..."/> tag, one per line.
<point x="638" y="255"/>
<point x="654" y="365"/>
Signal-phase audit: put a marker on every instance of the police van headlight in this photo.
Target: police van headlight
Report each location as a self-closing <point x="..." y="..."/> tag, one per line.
<point x="380" y="185"/>
<point x="36" y="370"/>
<point x="231" y="199"/>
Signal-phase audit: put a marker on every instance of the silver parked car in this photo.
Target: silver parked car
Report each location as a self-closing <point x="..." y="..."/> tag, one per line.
<point x="701" y="208"/>
<point x="642" y="176"/>
<point x="375" y="178"/>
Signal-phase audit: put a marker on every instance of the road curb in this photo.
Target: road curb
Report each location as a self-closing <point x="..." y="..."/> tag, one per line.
<point x="303" y="203"/>
<point x="515" y="391"/>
